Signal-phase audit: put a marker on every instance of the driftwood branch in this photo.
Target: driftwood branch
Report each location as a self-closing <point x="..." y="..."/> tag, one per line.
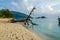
<point x="24" y="19"/>
<point x="31" y="12"/>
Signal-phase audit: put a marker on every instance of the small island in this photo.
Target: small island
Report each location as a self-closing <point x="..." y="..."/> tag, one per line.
<point x="40" y="17"/>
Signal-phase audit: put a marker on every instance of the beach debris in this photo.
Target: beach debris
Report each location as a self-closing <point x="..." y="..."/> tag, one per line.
<point x="25" y="20"/>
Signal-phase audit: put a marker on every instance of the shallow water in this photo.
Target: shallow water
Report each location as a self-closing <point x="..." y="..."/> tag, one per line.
<point x="47" y="28"/>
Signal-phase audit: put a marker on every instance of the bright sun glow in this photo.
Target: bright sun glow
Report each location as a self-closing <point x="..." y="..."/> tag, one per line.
<point x="50" y="8"/>
<point x="30" y="7"/>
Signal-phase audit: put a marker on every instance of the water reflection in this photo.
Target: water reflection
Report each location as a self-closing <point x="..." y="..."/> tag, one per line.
<point x="50" y="25"/>
<point x="30" y="24"/>
<point x="47" y="28"/>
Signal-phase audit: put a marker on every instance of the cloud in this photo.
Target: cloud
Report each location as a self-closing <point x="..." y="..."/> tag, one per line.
<point x="48" y="7"/>
<point x="25" y="0"/>
<point x="28" y="5"/>
<point x="52" y="9"/>
<point x="43" y="6"/>
<point x="14" y="3"/>
<point x="58" y="10"/>
<point x="15" y="6"/>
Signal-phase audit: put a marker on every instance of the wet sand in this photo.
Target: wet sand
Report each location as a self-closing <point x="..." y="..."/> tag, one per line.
<point x="15" y="31"/>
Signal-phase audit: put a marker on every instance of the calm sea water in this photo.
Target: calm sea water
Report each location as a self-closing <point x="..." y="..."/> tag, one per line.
<point x="47" y="28"/>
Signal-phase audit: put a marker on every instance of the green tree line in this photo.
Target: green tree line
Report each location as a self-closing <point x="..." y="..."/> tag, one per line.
<point x="5" y="13"/>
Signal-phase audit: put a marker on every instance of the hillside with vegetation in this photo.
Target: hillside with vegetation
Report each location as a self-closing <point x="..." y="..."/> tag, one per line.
<point x="5" y="13"/>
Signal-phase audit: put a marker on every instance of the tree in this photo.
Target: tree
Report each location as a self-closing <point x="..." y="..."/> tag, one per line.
<point x="5" y="13"/>
<point x="1" y="13"/>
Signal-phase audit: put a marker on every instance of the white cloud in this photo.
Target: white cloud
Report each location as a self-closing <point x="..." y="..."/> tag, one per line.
<point x="52" y="9"/>
<point x="14" y="3"/>
<point x="15" y="6"/>
<point x="48" y="8"/>
<point x="51" y="5"/>
<point x="25" y="0"/>
<point x="28" y="5"/>
<point x="58" y="11"/>
<point x="44" y="6"/>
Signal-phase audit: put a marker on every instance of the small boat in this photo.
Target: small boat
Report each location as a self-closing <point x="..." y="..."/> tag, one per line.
<point x="59" y="19"/>
<point x="59" y="22"/>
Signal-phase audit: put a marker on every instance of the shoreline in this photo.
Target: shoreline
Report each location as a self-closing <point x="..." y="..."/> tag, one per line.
<point x="16" y="31"/>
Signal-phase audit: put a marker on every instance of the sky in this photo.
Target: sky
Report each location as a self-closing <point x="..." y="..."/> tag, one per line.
<point x="25" y="6"/>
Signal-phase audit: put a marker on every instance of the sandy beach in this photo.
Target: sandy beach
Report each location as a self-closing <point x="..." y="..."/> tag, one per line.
<point x="15" y="31"/>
